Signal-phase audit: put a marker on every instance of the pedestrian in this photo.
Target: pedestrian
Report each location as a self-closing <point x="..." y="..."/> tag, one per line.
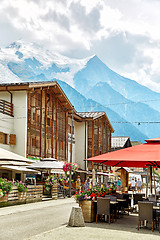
<point x="132" y="185"/>
<point x="78" y="184"/>
<point x="139" y="185"/>
<point x="119" y="184"/>
<point x="158" y="190"/>
<point x="87" y="184"/>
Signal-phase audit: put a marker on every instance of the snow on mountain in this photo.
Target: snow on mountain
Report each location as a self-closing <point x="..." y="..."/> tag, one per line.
<point x="35" y="60"/>
<point x="124" y="100"/>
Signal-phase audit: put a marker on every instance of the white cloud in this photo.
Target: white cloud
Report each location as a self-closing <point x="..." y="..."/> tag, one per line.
<point x="124" y="34"/>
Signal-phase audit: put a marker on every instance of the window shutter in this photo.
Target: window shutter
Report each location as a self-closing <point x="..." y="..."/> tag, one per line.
<point x="12" y="139"/>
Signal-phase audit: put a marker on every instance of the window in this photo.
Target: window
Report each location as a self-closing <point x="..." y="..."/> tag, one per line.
<point x="33" y="142"/>
<point x="70" y="129"/>
<point x="3" y="138"/>
<point x="48" y="121"/>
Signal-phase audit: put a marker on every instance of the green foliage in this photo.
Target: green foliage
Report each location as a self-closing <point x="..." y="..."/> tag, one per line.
<point x="157" y="175"/>
<point x="5" y="185"/>
<point x="50" y="182"/>
<point x="21" y="186"/>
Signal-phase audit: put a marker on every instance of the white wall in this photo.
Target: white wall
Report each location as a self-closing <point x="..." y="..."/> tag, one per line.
<point x="20" y="121"/>
<point x="73" y="145"/>
<point x="80" y="144"/>
<point x="7" y="127"/>
<point x="6" y="122"/>
<point x="17" y="124"/>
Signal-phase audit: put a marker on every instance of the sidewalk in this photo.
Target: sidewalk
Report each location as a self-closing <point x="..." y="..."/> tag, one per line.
<point x="33" y="206"/>
<point x="95" y="231"/>
<point x="123" y="229"/>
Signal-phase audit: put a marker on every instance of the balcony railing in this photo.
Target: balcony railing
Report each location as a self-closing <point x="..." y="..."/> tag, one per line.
<point x="6" y="107"/>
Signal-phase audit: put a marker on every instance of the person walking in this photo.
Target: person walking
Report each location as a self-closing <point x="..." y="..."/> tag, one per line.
<point x="78" y="184"/>
<point x="133" y="185"/>
<point x="139" y="185"/>
<point x="119" y="184"/>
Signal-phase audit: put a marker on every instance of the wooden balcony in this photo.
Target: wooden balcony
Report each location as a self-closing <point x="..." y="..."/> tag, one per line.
<point x="6" y="107"/>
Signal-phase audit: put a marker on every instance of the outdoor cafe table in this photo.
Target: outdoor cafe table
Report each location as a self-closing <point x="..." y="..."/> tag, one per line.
<point x="121" y="200"/>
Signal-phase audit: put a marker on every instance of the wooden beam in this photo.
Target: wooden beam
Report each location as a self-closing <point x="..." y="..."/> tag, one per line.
<point x="56" y="128"/>
<point x="28" y="105"/>
<point x="92" y="138"/>
<point x="66" y="136"/>
<point x="102" y="135"/>
<point x="110" y="141"/>
<point x="41" y="123"/>
<point x="45" y="135"/>
<point x="52" y="142"/>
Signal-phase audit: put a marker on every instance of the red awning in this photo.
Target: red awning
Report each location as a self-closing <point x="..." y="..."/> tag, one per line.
<point x="143" y="155"/>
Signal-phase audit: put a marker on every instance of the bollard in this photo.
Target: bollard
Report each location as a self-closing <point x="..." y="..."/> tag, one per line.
<point x="76" y="218"/>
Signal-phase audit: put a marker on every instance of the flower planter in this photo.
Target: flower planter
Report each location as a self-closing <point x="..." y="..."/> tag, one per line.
<point x="21" y="197"/>
<point x="4" y="198"/>
<point x="89" y="210"/>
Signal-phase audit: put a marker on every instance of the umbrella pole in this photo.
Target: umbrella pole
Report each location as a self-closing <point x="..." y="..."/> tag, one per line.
<point x="151" y="179"/>
<point x="147" y="183"/>
<point x="154" y="185"/>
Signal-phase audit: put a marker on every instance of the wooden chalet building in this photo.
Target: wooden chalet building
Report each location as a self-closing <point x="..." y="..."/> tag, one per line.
<point x="36" y="121"/>
<point x="97" y="129"/>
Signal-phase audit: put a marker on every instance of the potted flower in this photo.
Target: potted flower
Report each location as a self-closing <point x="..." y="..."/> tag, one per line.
<point x="48" y="186"/>
<point x="1" y="193"/>
<point x="6" y="187"/>
<point x="22" y="189"/>
<point x="87" y="198"/>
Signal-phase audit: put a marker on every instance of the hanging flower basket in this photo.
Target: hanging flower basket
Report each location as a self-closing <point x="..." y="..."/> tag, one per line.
<point x="69" y="168"/>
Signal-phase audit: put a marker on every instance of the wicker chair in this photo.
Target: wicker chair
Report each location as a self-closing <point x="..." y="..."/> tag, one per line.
<point x="112" y="198"/>
<point x="145" y="213"/>
<point x="103" y="208"/>
<point x="138" y="197"/>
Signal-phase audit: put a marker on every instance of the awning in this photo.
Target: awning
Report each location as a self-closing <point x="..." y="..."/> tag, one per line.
<point x="7" y="155"/>
<point x="19" y="169"/>
<point x="14" y="163"/>
<point x="126" y="169"/>
<point x="105" y="174"/>
<point x="143" y="155"/>
<point x="47" y="165"/>
<point x="58" y="171"/>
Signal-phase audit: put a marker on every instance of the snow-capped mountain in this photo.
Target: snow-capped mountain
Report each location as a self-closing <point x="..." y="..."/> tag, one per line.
<point x="126" y="102"/>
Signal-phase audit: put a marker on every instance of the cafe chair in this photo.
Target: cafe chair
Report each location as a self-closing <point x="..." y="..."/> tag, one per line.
<point x="138" y="197"/>
<point x="145" y="213"/>
<point x="103" y="208"/>
<point x="112" y="198"/>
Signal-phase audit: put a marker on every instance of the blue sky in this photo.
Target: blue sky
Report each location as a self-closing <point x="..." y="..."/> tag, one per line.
<point x="124" y="34"/>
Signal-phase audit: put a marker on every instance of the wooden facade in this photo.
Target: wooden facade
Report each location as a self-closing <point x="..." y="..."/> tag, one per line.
<point x="99" y="137"/>
<point x="47" y="125"/>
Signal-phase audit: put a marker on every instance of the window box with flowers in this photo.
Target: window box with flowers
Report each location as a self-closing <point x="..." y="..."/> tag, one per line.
<point x="22" y="189"/>
<point x="48" y="186"/>
<point x="5" y="188"/>
<point x="87" y="200"/>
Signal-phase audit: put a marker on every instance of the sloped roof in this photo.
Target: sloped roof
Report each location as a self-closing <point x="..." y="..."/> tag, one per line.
<point x="93" y="116"/>
<point x="24" y="86"/>
<point x="118" y="141"/>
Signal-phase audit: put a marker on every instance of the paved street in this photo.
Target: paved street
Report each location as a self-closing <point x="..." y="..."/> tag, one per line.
<point x="23" y="221"/>
<point x="48" y="221"/>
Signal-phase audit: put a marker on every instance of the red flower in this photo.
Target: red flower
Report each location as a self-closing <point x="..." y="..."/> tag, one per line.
<point x="93" y="195"/>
